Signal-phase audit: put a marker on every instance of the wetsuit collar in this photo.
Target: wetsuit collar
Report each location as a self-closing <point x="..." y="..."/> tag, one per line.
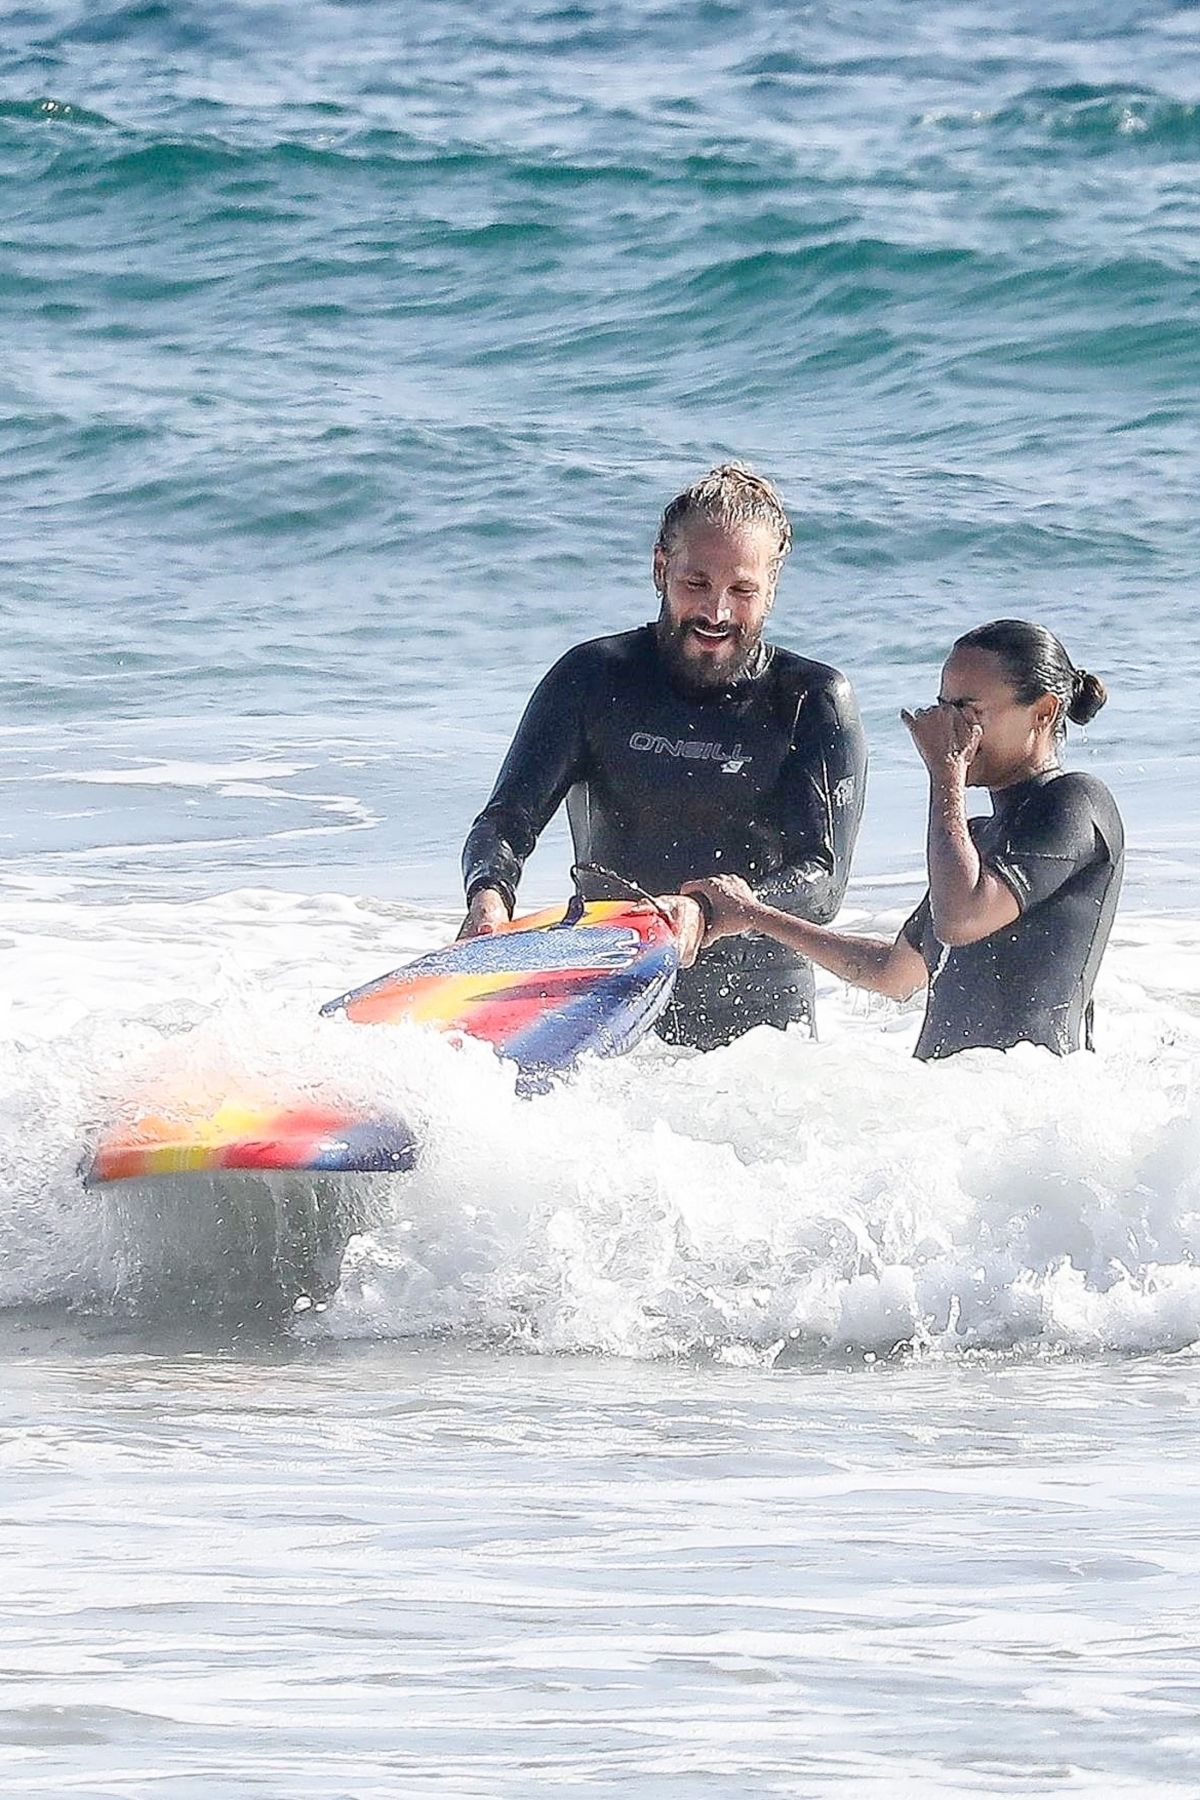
<point x="1004" y="799"/>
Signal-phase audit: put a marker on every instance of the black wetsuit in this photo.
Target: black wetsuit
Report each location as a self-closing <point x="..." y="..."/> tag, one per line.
<point x="764" y="779"/>
<point x="1057" y="842"/>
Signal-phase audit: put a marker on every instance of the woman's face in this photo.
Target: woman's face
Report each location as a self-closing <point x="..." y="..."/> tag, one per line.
<point x="1017" y="740"/>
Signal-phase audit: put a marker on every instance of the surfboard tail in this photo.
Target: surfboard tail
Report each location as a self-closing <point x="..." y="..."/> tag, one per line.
<point x="317" y="1139"/>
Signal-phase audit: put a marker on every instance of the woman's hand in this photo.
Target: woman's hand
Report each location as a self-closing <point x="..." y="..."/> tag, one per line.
<point x="686" y="916"/>
<point x="730" y="900"/>
<point x="945" y="737"/>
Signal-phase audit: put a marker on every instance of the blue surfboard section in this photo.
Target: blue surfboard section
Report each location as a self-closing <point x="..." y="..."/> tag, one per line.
<point x="607" y="1020"/>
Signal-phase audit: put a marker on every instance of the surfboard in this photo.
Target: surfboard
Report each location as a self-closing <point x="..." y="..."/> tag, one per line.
<point x="324" y="1139"/>
<point x="543" y="992"/>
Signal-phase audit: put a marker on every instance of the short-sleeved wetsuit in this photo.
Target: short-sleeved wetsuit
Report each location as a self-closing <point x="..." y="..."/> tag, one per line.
<point x="763" y="779"/>
<point x="1056" y="841"/>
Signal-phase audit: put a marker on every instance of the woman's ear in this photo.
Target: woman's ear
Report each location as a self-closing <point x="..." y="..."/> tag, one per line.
<point x="1047" y="711"/>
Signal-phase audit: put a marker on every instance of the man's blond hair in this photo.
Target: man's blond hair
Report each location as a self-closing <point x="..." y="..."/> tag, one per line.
<point x="733" y="497"/>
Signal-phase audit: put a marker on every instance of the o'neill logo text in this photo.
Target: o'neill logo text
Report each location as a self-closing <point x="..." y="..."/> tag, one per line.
<point x="690" y="750"/>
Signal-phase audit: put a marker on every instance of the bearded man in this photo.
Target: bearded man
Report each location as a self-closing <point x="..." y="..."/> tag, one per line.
<point x="691" y="748"/>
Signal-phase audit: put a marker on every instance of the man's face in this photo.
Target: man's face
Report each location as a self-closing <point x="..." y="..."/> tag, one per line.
<point x="716" y="588"/>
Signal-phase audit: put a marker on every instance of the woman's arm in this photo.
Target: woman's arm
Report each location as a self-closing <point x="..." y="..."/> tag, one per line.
<point x="967" y="901"/>
<point x="879" y="964"/>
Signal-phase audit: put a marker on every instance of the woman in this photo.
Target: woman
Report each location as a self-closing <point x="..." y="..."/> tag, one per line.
<point x="1017" y="914"/>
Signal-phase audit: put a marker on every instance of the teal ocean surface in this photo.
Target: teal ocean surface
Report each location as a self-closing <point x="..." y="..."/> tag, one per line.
<point x="352" y="351"/>
<point x="790" y="1421"/>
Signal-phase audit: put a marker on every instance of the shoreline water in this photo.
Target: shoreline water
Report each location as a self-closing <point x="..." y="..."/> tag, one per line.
<point x="508" y="1578"/>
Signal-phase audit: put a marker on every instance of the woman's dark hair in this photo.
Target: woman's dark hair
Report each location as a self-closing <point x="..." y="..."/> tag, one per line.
<point x="1036" y="664"/>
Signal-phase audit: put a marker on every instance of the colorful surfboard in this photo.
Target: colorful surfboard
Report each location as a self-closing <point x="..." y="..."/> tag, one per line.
<point x="238" y="1136"/>
<point x="543" y="991"/>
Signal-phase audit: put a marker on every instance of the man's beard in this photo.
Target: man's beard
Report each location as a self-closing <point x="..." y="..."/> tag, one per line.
<point x="704" y="674"/>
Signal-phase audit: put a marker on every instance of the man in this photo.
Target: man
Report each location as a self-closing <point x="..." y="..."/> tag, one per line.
<point x="690" y="748"/>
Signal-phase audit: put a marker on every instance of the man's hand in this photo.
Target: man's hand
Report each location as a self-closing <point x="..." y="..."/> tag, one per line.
<point x="688" y="920"/>
<point x="945" y="737"/>
<point x="487" y="912"/>
<point x="731" y="902"/>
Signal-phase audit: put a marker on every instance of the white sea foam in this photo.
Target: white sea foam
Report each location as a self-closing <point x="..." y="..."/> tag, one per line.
<point x="189" y="774"/>
<point x="774" y="1199"/>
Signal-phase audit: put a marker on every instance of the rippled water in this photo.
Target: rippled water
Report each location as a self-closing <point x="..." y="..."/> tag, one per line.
<point x="436" y="1573"/>
<point x="793" y="1420"/>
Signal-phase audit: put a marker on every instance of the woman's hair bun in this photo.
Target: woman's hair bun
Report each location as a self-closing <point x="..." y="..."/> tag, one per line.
<point x="1035" y="664"/>
<point x="1089" y="696"/>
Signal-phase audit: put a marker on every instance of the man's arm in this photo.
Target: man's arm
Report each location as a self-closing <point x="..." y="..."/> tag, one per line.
<point x="818" y="806"/>
<point x="544" y="759"/>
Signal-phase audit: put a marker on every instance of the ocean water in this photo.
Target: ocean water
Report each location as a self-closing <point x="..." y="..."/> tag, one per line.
<point x="794" y="1420"/>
